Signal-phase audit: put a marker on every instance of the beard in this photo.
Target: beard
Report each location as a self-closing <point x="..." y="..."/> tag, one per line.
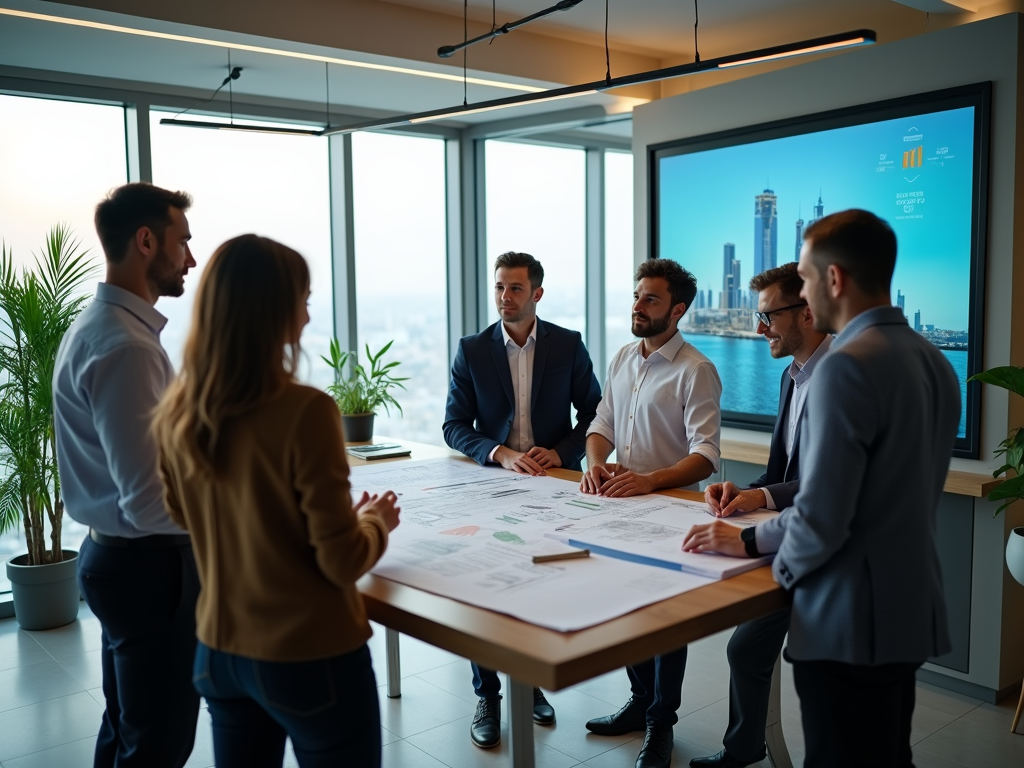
<point x="524" y="312"/>
<point x="821" y="308"/>
<point x="654" y="326"/>
<point x="789" y="342"/>
<point x="164" y="276"/>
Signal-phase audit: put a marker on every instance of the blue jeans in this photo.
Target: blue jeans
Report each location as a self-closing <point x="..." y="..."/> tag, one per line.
<point x="328" y="708"/>
<point x="486" y="683"/>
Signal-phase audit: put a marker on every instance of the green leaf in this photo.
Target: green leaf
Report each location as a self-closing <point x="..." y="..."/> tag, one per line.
<point x="1006" y="377"/>
<point x="1013" y="488"/>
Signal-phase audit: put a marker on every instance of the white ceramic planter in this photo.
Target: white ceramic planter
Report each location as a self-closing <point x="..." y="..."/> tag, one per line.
<point x="1015" y="554"/>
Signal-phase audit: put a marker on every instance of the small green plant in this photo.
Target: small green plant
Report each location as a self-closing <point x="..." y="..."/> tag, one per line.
<point x="359" y="390"/>
<point x="1011" y="378"/>
<point x="36" y="309"/>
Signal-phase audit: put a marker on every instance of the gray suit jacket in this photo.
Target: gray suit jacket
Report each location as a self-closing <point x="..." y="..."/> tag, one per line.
<point x="859" y="550"/>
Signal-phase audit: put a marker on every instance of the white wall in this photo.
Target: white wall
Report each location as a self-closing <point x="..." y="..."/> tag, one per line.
<point x="985" y="50"/>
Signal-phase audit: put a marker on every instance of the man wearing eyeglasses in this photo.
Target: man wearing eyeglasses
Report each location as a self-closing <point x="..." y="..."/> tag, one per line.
<point x="786" y="322"/>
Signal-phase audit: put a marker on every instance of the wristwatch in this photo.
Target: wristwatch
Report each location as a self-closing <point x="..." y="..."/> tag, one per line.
<point x="749" y="538"/>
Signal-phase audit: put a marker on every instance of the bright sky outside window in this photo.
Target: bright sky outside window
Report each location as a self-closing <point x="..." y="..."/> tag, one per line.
<point x="270" y="185"/>
<point x="401" y="273"/>
<point x="48" y="175"/>
<point x="618" y="244"/>
<point x="536" y="203"/>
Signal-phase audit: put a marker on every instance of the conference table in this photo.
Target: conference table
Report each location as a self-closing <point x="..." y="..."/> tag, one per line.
<point x="533" y="656"/>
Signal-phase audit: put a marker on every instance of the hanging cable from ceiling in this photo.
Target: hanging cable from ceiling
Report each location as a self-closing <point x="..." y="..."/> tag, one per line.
<point x="446" y="51"/>
<point x="233" y="74"/>
<point x="607" y="53"/>
<point x="696" y="21"/>
<point x="465" y="52"/>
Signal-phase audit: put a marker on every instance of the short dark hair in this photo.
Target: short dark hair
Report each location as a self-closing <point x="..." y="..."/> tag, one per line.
<point x="786" y="277"/>
<point x="858" y="242"/>
<point x="130" y="207"/>
<point x="512" y="259"/>
<point x="682" y="285"/>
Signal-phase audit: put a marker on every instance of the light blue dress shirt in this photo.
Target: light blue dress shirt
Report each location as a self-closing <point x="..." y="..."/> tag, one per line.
<point x="110" y="373"/>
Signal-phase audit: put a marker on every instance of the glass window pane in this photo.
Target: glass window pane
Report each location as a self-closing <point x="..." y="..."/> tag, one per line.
<point x="272" y="185"/>
<point x="536" y="203"/>
<point x="618" y="244"/>
<point x="57" y="161"/>
<point x="401" y="273"/>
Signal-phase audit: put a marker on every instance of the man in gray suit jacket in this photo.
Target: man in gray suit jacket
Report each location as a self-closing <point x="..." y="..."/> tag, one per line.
<point x="858" y="554"/>
<point x="786" y="322"/>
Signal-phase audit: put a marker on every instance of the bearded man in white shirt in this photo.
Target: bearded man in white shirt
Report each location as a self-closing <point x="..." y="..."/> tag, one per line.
<point x="661" y="415"/>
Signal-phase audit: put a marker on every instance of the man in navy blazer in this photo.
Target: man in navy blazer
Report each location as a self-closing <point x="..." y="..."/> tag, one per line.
<point x="512" y="389"/>
<point x="786" y="322"/>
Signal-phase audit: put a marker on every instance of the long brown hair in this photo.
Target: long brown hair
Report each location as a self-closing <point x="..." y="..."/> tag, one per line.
<point x="241" y="349"/>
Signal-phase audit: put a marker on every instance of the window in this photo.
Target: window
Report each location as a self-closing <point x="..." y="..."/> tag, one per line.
<point x="272" y="185"/>
<point x="536" y="203"/>
<point x="401" y="273"/>
<point x="50" y="173"/>
<point x="618" y="243"/>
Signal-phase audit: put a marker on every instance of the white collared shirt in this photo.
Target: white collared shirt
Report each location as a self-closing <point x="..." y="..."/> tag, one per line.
<point x="801" y="376"/>
<point x="110" y="373"/>
<point x="520" y="366"/>
<point x="659" y="410"/>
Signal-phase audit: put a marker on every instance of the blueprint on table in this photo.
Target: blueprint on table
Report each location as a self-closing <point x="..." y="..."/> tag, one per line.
<point x="470" y="532"/>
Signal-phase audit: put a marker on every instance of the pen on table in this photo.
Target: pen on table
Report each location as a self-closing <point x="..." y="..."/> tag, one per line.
<point x="575" y="554"/>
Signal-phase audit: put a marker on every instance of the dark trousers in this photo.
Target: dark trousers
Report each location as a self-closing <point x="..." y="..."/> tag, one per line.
<point x="328" y="708"/>
<point x="659" y="683"/>
<point x="145" y="600"/>
<point x="855" y="715"/>
<point x="752" y="651"/>
<point x="486" y="682"/>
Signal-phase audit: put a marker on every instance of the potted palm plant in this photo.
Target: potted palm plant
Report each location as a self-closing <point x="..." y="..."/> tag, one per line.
<point x="360" y="392"/>
<point x="37" y="306"/>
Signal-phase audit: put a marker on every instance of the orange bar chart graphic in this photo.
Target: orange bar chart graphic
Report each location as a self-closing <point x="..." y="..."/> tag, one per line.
<point x="912" y="158"/>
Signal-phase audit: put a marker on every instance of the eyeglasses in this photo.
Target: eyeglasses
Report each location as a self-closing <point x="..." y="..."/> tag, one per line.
<point x="766" y="317"/>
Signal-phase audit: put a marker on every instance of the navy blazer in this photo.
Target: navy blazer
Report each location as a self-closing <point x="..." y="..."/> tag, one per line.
<point x="782" y="476"/>
<point x="478" y="415"/>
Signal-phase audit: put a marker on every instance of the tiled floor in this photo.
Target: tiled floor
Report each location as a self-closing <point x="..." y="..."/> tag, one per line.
<point x="50" y="707"/>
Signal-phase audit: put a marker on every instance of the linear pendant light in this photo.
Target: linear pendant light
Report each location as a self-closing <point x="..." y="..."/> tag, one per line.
<point x="241" y="127"/>
<point x="817" y="45"/>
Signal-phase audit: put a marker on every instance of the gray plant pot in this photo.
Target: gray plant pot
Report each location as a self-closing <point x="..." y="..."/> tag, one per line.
<point x="358" y="427"/>
<point x="45" y="596"/>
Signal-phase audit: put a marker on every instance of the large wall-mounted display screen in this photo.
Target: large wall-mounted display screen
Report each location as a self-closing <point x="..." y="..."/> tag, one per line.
<point x="731" y="205"/>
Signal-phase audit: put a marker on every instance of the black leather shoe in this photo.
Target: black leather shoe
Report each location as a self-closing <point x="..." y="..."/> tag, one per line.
<point x="724" y="760"/>
<point x="657" y="749"/>
<point x="543" y="713"/>
<point x="632" y="717"/>
<point x="485" y="730"/>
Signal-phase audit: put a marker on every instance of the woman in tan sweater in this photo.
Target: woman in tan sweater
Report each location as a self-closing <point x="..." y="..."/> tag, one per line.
<point x="253" y="465"/>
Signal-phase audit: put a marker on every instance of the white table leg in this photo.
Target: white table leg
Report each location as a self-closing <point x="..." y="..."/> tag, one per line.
<point x="778" y="754"/>
<point x="394" y="663"/>
<point x="520" y="715"/>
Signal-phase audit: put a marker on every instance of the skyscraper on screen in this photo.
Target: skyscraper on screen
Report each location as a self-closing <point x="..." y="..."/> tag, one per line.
<point x="766" y="231"/>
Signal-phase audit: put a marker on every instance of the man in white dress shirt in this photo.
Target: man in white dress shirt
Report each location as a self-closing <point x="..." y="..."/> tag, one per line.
<point x="136" y="568"/>
<point x="661" y="415"/>
<point x="512" y="390"/>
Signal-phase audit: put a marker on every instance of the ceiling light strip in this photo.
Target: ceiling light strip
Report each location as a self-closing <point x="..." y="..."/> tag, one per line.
<point x="241" y="127"/>
<point x="817" y="45"/>
<point x="262" y="49"/>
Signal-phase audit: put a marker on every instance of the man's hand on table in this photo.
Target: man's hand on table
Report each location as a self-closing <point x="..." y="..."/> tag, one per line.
<point x="718" y="537"/>
<point x="548" y="458"/>
<point x="726" y="499"/>
<point x="596" y="475"/>
<point x="523" y="463"/>
<point x="626" y="482"/>
<point x="384" y="506"/>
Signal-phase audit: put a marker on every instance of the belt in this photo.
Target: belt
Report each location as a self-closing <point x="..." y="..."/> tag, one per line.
<point x="142" y="542"/>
